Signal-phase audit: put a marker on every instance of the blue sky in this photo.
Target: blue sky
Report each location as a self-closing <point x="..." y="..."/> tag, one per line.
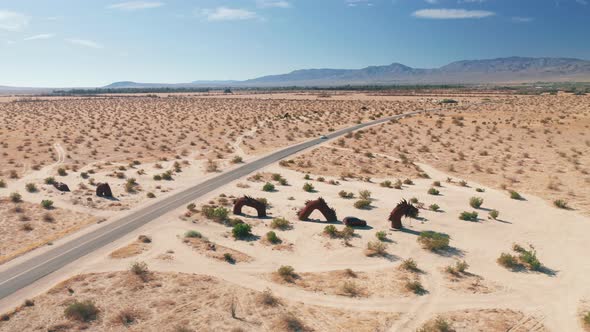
<point x="62" y="43"/>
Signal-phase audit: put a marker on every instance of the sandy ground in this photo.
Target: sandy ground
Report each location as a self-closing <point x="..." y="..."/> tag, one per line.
<point x="488" y="297"/>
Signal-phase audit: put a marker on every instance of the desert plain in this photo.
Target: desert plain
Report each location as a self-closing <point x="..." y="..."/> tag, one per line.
<point x="501" y="183"/>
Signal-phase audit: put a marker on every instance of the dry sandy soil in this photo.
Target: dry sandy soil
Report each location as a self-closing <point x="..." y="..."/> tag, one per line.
<point x="536" y="145"/>
<point x="336" y="286"/>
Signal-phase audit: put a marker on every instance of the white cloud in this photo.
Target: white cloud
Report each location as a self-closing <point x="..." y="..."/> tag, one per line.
<point x="354" y="3"/>
<point x="136" y="5"/>
<point x="273" y="4"/>
<point x="432" y="2"/>
<point x="13" y="21"/>
<point x="41" y="36"/>
<point x="228" y="14"/>
<point x="85" y="43"/>
<point x="520" y="19"/>
<point x="451" y="14"/>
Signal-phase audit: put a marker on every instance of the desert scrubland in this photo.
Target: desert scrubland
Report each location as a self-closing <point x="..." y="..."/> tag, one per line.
<point x="500" y="184"/>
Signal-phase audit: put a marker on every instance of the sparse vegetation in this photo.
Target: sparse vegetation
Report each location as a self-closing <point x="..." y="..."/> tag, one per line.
<point x="84" y="311"/>
<point x="562" y="204"/>
<point x="268" y="187"/>
<point x="280" y="223"/>
<point x="308" y="187"/>
<point x="241" y="231"/>
<point x="272" y="237"/>
<point x="433" y="191"/>
<point x="475" y="202"/>
<point x="287" y="272"/>
<point x="381" y="235"/>
<point x="515" y="195"/>
<point x="468" y="216"/>
<point x="434" y="241"/>
<point x="494" y="214"/>
<point x="362" y="204"/>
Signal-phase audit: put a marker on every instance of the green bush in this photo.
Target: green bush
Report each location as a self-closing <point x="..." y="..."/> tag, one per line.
<point x="268" y="187"/>
<point x="468" y="216"/>
<point x="362" y="204"/>
<point x="272" y="237"/>
<point x="479" y="190"/>
<point x="376" y="248"/>
<point x="16" y="197"/>
<point x="219" y="214"/>
<point x="415" y="286"/>
<point x="515" y="195"/>
<point x="31" y="187"/>
<point x="508" y="260"/>
<point x="47" y="204"/>
<point x="237" y="160"/>
<point x="308" y="187"/>
<point x="81" y="311"/>
<point x="331" y="230"/>
<point x="434" y="241"/>
<point x="287" y="272"/>
<point x="167" y="176"/>
<point x="347" y="195"/>
<point x="193" y="234"/>
<point x="157" y="177"/>
<point x="410" y="265"/>
<point x="494" y="214"/>
<point x="280" y="223"/>
<point x="434" y="207"/>
<point x="586" y="319"/>
<point x="151" y="195"/>
<point x="381" y="235"/>
<point x="365" y="194"/>
<point x="49" y="180"/>
<point x="560" y="203"/>
<point x="433" y="191"/>
<point x="408" y="182"/>
<point x="386" y="184"/>
<point x="62" y="171"/>
<point x="475" y="202"/>
<point x="241" y="231"/>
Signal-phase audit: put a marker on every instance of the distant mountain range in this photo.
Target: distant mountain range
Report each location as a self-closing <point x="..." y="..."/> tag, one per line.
<point x="500" y="70"/>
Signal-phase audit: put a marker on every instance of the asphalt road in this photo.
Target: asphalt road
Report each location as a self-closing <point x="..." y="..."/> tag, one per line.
<point x="35" y="268"/>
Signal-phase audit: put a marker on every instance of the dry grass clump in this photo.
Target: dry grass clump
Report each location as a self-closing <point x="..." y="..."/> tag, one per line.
<point x="376" y="248"/>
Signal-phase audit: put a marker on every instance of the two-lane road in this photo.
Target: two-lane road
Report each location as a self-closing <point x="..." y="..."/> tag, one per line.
<point x="38" y="266"/>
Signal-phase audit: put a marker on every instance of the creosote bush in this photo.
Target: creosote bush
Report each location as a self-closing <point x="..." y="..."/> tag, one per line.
<point x="308" y="187"/>
<point x="515" y="195"/>
<point x="362" y="204"/>
<point x="475" y="202"/>
<point x="241" y="231"/>
<point x="81" y="311"/>
<point x="268" y="187"/>
<point x="193" y="234"/>
<point x="287" y="272"/>
<point x="347" y="195"/>
<point x="376" y="248"/>
<point x="468" y="216"/>
<point x="409" y="265"/>
<point x="560" y="203"/>
<point x="381" y="235"/>
<point x="415" y="286"/>
<point x="280" y="223"/>
<point x="47" y="204"/>
<point x="433" y="191"/>
<point x="434" y="241"/>
<point x="494" y="214"/>
<point x="434" y="207"/>
<point x="272" y="237"/>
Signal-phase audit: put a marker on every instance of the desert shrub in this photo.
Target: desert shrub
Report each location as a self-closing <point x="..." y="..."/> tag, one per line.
<point x="479" y="190"/>
<point x="167" y="176"/>
<point x="515" y="195"/>
<point x="193" y="234"/>
<point x="2" y="184"/>
<point x="346" y="233"/>
<point x="415" y="286"/>
<point x="280" y="223"/>
<point x="47" y="204"/>
<point x="241" y="231"/>
<point x="283" y="182"/>
<point x="386" y="184"/>
<point x="409" y="265"/>
<point x="272" y="237"/>
<point x="508" y="261"/>
<point x="49" y="180"/>
<point x="228" y="258"/>
<point x="438" y="325"/>
<point x="321" y="179"/>
<point x="331" y="230"/>
<point x="157" y="177"/>
<point x="347" y="195"/>
<point x="376" y="248"/>
<point x="468" y="216"/>
<point x="307" y="177"/>
<point x="433" y="191"/>
<point x="48" y="217"/>
<point x="286" y="272"/>
<point x="381" y="235"/>
<point x="434" y="207"/>
<point x="475" y="202"/>
<point x="62" y="171"/>
<point x="586" y="319"/>
<point x="140" y="269"/>
<point x="151" y="195"/>
<point x="268" y="187"/>
<point x="290" y="323"/>
<point x="362" y="204"/>
<point x="463" y="183"/>
<point x="494" y="214"/>
<point x="350" y="288"/>
<point x="560" y="203"/>
<point x="408" y="182"/>
<point x="127" y="316"/>
<point x="414" y="200"/>
<point x="191" y="206"/>
<point x="237" y="160"/>
<point x="268" y="299"/>
<point x="434" y="241"/>
<point x="81" y="311"/>
<point x="31" y="187"/>
<point x="365" y="194"/>
<point x="308" y="187"/>
<point x="16" y="197"/>
<point x="218" y="214"/>
<point x="529" y="259"/>
<point x="459" y="267"/>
